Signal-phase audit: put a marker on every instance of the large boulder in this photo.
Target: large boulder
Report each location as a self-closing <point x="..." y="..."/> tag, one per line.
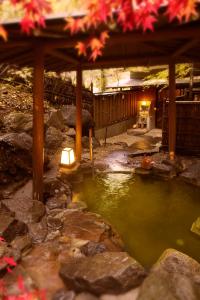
<point x="10" y="227"/>
<point x="175" y="276"/>
<point x="15" y="156"/>
<point x="108" y="272"/>
<point x="69" y="115"/>
<point x="18" y="122"/>
<point x="13" y="289"/>
<point x="86" y="144"/>
<point x="42" y="265"/>
<point x="53" y="138"/>
<point x="91" y="227"/>
<point x="56" y="120"/>
<point x="192" y="174"/>
<point x="25" y="209"/>
<point x="163" y="171"/>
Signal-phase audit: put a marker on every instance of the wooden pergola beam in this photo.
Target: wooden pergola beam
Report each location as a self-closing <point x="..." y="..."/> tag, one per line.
<point x="111" y="62"/>
<point x="172" y="111"/>
<point x="16" y="44"/>
<point x="38" y="123"/>
<point x="154" y="48"/>
<point x="79" y="113"/>
<point x="127" y="38"/>
<point x="185" y="47"/>
<point x="64" y="57"/>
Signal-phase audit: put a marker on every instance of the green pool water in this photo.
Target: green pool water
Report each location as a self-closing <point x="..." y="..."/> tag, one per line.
<point x="150" y="215"/>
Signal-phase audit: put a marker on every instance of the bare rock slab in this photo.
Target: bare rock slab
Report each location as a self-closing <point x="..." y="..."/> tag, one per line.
<point x="164" y="171"/>
<point x="175" y="276"/>
<point x="130" y="295"/>
<point x="9" y="226"/>
<point x="91" y="227"/>
<point x="108" y="272"/>
<point x="25" y="209"/>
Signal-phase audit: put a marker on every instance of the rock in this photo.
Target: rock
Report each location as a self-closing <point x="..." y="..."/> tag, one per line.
<point x="71" y="132"/>
<point x="15" y="157"/>
<point x="56" y="120"/>
<point x="18" y="122"/>
<point x="9" y="226"/>
<point x="85" y="142"/>
<point x="80" y="205"/>
<point x="42" y="265"/>
<point x="54" y="187"/>
<point x="85" y="296"/>
<point x="122" y="144"/>
<point x="196" y="226"/>
<point x="64" y="295"/>
<point x="54" y="223"/>
<point x="5" y="252"/>
<point x="26" y="210"/>
<point x="178" y="164"/>
<point x="131" y="295"/>
<point x="52" y="235"/>
<point x="36" y="211"/>
<point x="22" y="243"/>
<point x="58" y="202"/>
<point x="147" y="152"/>
<point x="142" y="171"/>
<point x="108" y="272"/>
<point x="175" y="276"/>
<point x="69" y="115"/>
<point x="163" y="171"/>
<point x="86" y="168"/>
<point x="53" y="138"/>
<point x="11" y="282"/>
<point x="93" y="248"/>
<point x="101" y="165"/>
<point x="68" y="142"/>
<point x="91" y="227"/>
<point x="38" y="231"/>
<point x="192" y="174"/>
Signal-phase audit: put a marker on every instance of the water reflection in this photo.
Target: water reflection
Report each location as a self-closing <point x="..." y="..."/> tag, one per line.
<point x="150" y="215"/>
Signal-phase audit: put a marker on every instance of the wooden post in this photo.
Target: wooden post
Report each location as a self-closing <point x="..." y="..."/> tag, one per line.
<point x="79" y="114"/>
<point x="172" y="111"/>
<point x="38" y="123"/>
<point x="91" y="145"/>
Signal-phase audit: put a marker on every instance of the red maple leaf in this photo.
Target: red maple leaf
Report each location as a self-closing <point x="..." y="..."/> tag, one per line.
<point x="10" y="261"/>
<point x="104" y="36"/>
<point x="4" y="35"/>
<point x="95" y="53"/>
<point x="148" y="23"/>
<point x="82" y="48"/>
<point x="20" y="283"/>
<point x="27" y="24"/>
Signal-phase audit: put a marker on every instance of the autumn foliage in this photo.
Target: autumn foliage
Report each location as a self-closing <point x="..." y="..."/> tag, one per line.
<point x="106" y="15"/>
<point x="23" y="294"/>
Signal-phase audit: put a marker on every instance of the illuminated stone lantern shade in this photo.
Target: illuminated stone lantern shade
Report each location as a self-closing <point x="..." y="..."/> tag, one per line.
<point x="67" y="158"/>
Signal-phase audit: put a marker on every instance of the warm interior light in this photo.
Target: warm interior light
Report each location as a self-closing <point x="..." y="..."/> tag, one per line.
<point x="144" y="103"/>
<point x="67" y="157"/>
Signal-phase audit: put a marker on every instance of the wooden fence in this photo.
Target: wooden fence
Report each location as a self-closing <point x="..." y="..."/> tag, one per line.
<point x="117" y="107"/>
<point x="188" y="127"/>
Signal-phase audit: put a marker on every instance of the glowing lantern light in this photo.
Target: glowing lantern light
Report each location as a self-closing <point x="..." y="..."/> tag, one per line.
<point x="67" y="157"/>
<point x="144" y="103"/>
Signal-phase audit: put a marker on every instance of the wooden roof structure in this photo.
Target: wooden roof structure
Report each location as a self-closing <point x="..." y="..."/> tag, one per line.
<point x="169" y="42"/>
<point x="53" y="49"/>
